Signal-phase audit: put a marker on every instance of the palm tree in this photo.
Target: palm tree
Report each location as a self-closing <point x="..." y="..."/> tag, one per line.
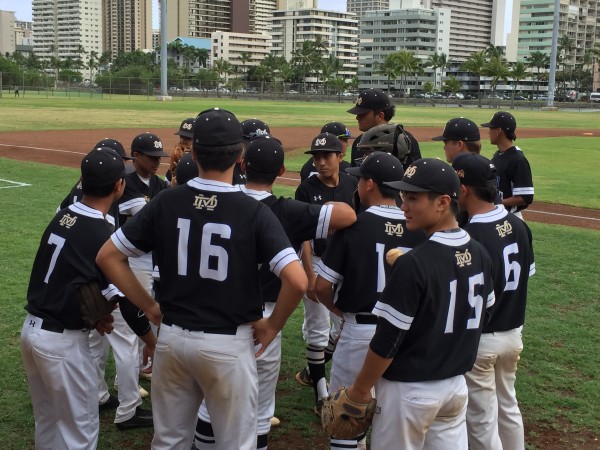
<point x="475" y="65"/>
<point x="223" y="68"/>
<point x="245" y="58"/>
<point x="407" y="64"/>
<point x="433" y="61"/>
<point x="494" y="51"/>
<point x="452" y="84"/>
<point x="92" y="63"/>
<point x="263" y="73"/>
<point x="321" y="46"/>
<point x="565" y="46"/>
<point x="517" y="72"/>
<point x="539" y="60"/>
<point x="305" y="59"/>
<point x="497" y="69"/>
<point x="387" y="68"/>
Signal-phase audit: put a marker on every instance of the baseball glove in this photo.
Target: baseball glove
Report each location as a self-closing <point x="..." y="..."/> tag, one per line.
<point x="93" y="305"/>
<point x="346" y="419"/>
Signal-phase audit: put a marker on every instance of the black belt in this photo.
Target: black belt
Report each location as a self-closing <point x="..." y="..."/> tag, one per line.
<point x="52" y="327"/>
<point x="366" y="319"/>
<point x="232" y="331"/>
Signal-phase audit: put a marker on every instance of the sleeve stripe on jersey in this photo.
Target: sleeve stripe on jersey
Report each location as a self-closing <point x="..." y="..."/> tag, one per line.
<point x="282" y="259"/>
<point x="124" y="246"/>
<point x="111" y="291"/>
<point x="396" y="318"/>
<point x="490" y="300"/>
<point x="523" y="191"/>
<point x="330" y="275"/>
<point x="134" y="203"/>
<point x="323" y="225"/>
<point x="531" y="269"/>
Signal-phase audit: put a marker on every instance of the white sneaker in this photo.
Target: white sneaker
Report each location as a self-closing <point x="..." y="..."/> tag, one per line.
<point x="143" y="392"/>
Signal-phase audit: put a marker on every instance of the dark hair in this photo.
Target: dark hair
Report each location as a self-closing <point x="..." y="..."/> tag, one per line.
<point x="486" y="193"/>
<point x="388" y="113"/>
<point x="453" y="201"/>
<point x="473" y="146"/>
<point x="217" y="158"/>
<point x="260" y="177"/>
<point x="98" y="191"/>
<point x="387" y="192"/>
<point x="510" y="135"/>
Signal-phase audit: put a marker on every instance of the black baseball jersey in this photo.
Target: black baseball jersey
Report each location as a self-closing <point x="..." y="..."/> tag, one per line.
<point x="356" y="154"/>
<point x="309" y="169"/>
<point x="432" y="309"/>
<point x="312" y="190"/>
<point x="301" y="222"/>
<point x="66" y="259"/>
<point x="76" y="195"/>
<point x="508" y="241"/>
<point x="137" y="193"/>
<point x="514" y="175"/>
<point x="354" y="260"/>
<point x="208" y="239"/>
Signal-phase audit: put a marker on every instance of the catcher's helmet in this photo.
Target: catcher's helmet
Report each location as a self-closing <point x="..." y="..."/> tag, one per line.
<point x="389" y="138"/>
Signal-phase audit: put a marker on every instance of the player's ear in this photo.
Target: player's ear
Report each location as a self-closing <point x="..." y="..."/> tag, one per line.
<point x="281" y="171"/>
<point x="243" y="166"/>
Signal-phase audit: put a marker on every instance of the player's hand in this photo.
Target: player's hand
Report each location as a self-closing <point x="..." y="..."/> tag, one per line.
<point x="358" y="395"/>
<point x="148" y="355"/>
<point x="105" y="325"/>
<point x="154" y="314"/>
<point x="264" y="333"/>
<point x="310" y="292"/>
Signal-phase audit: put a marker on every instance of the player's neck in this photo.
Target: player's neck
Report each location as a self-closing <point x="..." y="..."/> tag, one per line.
<point x="215" y="175"/>
<point x="259" y="186"/>
<point x="331" y="181"/>
<point x="479" y="207"/>
<point x="101" y="204"/>
<point x="445" y="223"/>
<point x="505" y="145"/>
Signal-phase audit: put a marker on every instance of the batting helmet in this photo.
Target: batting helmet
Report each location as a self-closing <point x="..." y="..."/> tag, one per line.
<point x="387" y="138"/>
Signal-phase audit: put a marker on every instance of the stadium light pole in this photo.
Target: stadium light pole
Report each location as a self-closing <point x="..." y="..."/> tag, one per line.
<point x="163" y="51"/>
<point x="553" y="54"/>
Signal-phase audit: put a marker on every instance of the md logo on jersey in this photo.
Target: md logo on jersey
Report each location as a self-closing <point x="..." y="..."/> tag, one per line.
<point x="67" y="221"/>
<point x="317" y="198"/>
<point x="394" y="229"/>
<point x="504" y="229"/>
<point x="208" y="203"/>
<point x="463" y="259"/>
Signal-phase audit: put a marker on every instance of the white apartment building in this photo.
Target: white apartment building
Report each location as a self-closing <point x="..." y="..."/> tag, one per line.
<point x="230" y="46"/>
<point x="23" y="33"/>
<point x="261" y="12"/>
<point x="7" y="32"/>
<point x="338" y="29"/>
<point x="421" y="31"/>
<point x="360" y="7"/>
<point x="61" y="27"/>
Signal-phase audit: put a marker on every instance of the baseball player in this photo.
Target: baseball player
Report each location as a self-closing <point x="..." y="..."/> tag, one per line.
<point x="338" y="129"/>
<point x="373" y="107"/>
<point x="209" y="238"/>
<point x="430" y="317"/>
<point x="328" y="185"/>
<point x="352" y="272"/>
<point x="460" y="136"/>
<point x="183" y="147"/>
<point x="515" y="182"/>
<point x="251" y="129"/>
<point x="263" y="162"/>
<point x="493" y="417"/>
<point x="56" y="353"/>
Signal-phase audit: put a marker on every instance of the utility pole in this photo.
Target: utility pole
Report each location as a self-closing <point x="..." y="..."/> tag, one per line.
<point x="553" y="54"/>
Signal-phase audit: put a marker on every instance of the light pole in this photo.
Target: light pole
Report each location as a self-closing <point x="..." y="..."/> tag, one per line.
<point x="553" y="52"/>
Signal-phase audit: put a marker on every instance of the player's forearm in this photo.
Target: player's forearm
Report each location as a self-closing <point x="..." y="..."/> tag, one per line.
<point x="371" y="371"/>
<point x="115" y="266"/>
<point x="324" y="292"/>
<point x="306" y="258"/>
<point x="516" y="200"/>
<point x="342" y="215"/>
<point x="293" y="286"/>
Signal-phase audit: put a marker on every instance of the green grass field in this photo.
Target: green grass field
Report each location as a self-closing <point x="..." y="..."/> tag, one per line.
<point x="557" y="380"/>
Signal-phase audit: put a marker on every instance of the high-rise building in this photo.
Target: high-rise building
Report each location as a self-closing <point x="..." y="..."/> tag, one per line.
<point x="63" y="28"/>
<point x="7" y="32"/>
<point x="232" y="46"/>
<point x="23" y="33"/>
<point x="360" y="7"/>
<point x="338" y="30"/>
<point x="127" y="25"/>
<point x="261" y="13"/>
<point x="422" y="31"/>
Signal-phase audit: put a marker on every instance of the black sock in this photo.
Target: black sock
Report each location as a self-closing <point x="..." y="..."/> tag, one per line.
<point x="315" y="357"/>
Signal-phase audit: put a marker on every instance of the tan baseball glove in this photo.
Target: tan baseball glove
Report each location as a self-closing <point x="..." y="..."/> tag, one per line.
<point x="344" y="418"/>
<point x="93" y="305"/>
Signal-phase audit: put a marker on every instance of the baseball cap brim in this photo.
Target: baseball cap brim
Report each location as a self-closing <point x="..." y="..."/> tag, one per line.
<point x="186" y="134"/>
<point x="323" y="150"/>
<point x="155" y="153"/>
<point x="438" y="138"/>
<point x="128" y="158"/>
<point x="359" y="110"/>
<point x="354" y="171"/>
<point x="404" y="186"/>
<point x="487" y="125"/>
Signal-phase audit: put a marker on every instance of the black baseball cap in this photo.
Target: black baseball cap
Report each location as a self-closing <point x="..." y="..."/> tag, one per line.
<point x="102" y="167"/>
<point x="370" y="100"/>
<point x="325" y="142"/>
<point x="429" y="175"/>
<point x="380" y="167"/>
<point x="338" y="129"/>
<point x="217" y="127"/>
<point x="264" y="155"/>
<point x="115" y="145"/>
<point x="254" y="128"/>
<point x="186" y="169"/>
<point x="503" y="120"/>
<point x="186" y="128"/>
<point x="474" y="170"/>
<point x="459" y="129"/>
<point x="148" y="144"/>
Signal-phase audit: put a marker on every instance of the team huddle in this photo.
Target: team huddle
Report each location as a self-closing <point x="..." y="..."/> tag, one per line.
<point x="412" y="272"/>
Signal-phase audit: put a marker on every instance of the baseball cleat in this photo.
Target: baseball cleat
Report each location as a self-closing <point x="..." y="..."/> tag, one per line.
<point x="141" y="418"/>
<point x="303" y="377"/>
<point x="146" y="373"/>
<point x="111" y="403"/>
<point x="143" y="392"/>
<point x="319" y="408"/>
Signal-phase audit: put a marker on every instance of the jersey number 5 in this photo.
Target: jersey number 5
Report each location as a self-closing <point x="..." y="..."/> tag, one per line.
<point x="475" y="301"/>
<point x="207" y="250"/>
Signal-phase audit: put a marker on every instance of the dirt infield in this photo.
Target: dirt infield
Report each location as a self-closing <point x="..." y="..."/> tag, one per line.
<point x="65" y="148"/>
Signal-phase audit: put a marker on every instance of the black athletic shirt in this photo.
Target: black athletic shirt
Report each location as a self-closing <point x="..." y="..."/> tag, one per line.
<point x="312" y="190"/>
<point x="354" y="261"/>
<point x="66" y="259"/>
<point x="514" y="176"/>
<point x="76" y="195"/>
<point x="301" y="222"/>
<point x="415" y="151"/>
<point x="309" y="169"/>
<point x="208" y="239"/>
<point x="508" y="241"/>
<point x="137" y="194"/>
<point x="432" y="309"/>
